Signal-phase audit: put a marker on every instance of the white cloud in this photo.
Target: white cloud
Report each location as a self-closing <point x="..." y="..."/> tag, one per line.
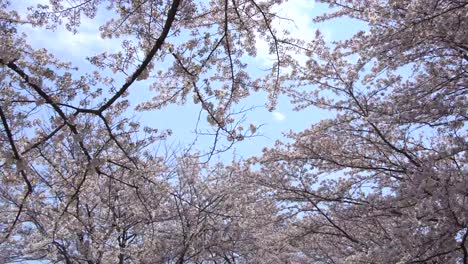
<point x="86" y="42"/>
<point x="278" y="116"/>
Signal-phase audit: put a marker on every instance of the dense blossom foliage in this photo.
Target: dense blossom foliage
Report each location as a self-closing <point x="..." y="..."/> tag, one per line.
<point x="383" y="181"/>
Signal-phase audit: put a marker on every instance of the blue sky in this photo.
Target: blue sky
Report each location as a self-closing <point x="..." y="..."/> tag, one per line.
<point x="182" y="120"/>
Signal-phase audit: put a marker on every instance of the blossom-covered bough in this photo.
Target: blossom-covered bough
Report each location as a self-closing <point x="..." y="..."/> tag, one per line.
<point x="383" y="181"/>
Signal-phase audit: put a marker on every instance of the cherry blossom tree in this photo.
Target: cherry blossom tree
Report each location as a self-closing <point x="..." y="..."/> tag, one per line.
<point x="385" y="180"/>
<point x="80" y="181"/>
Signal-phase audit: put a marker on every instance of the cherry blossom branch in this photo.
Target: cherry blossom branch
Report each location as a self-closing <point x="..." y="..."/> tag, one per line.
<point x="111" y="135"/>
<point x="228" y="49"/>
<point x="48" y="100"/>
<point x="275" y="42"/>
<point x="348" y="236"/>
<point x="463" y="247"/>
<point x="29" y="188"/>
<point x="220" y="123"/>
<point x="157" y="46"/>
